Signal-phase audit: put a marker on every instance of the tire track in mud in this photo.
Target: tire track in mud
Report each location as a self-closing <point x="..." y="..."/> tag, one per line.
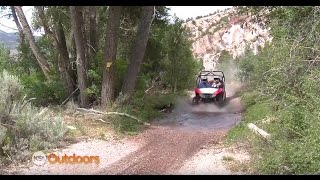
<point x="172" y="140"/>
<point x="165" y="149"/>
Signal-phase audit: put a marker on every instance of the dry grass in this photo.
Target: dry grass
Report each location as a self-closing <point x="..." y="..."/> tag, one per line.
<point x="87" y="124"/>
<point x="228" y="158"/>
<point x="237" y="167"/>
<point x="90" y="125"/>
<point x="238" y="161"/>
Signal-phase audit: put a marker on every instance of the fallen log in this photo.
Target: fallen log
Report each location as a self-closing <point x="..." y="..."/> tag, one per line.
<point x="110" y="113"/>
<point x="259" y="131"/>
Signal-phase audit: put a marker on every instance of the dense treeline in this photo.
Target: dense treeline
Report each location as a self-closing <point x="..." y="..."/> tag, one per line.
<point x="128" y="59"/>
<point x="96" y="54"/>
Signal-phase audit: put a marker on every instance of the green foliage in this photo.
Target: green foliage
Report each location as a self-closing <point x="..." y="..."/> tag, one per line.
<point x="181" y="67"/>
<point x="167" y="66"/>
<point x="46" y="92"/>
<point x="27" y="128"/>
<point x="224" y="19"/>
<point x="255" y="112"/>
<point x="5" y="58"/>
<point x="285" y="74"/>
<point x="164" y="67"/>
<point x="95" y="75"/>
<point x="11" y="91"/>
<point x="40" y="121"/>
<point x="144" y="107"/>
<point x="26" y="67"/>
<point x="35" y="129"/>
<point x="25" y="63"/>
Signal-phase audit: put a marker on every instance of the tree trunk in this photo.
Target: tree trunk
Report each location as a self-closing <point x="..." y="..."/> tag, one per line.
<point x="64" y="63"/>
<point x="111" y="44"/>
<point x="15" y="18"/>
<point x="73" y="48"/>
<point x="77" y="26"/>
<point x="85" y="31"/>
<point x="92" y="31"/>
<point x="59" y="42"/>
<point x="44" y="22"/>
<point x="138" y="52"/>
<point x="35" y="49"/>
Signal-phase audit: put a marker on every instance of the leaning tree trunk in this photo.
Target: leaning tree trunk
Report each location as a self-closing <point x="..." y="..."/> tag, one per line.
<point x="111" y="44"/>
<point x="15" y="18"/>
<point x="59" y="41"/>
<point x="77" y="26"/>
<point x="35" y="49"/>
<point x="138" y="52"/>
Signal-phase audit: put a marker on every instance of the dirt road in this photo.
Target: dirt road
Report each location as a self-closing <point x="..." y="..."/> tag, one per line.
<point x="172" y="140"/>
<point x="186" y="141"/>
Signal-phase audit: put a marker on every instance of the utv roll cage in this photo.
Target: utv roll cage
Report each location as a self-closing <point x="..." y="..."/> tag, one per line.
<point x="215" y="74"/>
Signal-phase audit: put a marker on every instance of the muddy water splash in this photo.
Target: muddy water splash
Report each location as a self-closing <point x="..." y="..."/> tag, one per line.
<point x="208" y="115"/>
<point x="205" y="116"/>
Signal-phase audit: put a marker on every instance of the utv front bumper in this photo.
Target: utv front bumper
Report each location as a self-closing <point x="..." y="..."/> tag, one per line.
<point x="207" y="96"/>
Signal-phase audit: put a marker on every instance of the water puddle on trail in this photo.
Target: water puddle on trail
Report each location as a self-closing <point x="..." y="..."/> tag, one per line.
<point x="204" y="116"/>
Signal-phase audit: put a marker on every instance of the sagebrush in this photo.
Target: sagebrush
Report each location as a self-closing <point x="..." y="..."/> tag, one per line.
<point x="24" y="127"/>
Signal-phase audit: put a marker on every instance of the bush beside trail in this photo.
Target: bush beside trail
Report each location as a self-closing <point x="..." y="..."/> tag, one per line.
<point x="25" y="128"/>
<point x="282" y="86"/>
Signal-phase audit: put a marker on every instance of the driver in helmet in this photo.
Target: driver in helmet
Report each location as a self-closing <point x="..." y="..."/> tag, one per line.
<point x="204" y="83"/>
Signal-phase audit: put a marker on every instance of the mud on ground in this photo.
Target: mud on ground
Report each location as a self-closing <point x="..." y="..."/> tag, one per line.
<point x="187" y="141"/>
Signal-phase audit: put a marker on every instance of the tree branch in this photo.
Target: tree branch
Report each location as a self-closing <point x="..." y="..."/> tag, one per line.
<point x="110" y="113"/>
<point x="69" y="97"/>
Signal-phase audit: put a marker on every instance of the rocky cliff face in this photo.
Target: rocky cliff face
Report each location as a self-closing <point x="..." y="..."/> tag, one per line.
<point x="227" y="31"/>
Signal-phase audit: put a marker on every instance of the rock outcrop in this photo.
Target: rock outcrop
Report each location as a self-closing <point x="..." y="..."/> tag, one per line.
<point x="227" y="31"/>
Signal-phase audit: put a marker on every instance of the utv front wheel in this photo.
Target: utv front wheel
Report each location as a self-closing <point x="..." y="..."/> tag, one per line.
<point x="221" y="100"/>
<point x="195" y="101"/>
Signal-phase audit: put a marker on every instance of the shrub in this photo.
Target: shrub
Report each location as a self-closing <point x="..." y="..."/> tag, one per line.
<point x="45" y="92"/>
<point x="143" y="106"/>
<point x="25" y="128"/>
<point x="289" y="78"/>
<point x="10" y="91"/>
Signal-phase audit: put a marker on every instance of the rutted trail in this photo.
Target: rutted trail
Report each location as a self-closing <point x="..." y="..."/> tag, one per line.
<point x="187" y="141"/>
<point x="166" y="149"/>
<point x="171" y="141"/>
